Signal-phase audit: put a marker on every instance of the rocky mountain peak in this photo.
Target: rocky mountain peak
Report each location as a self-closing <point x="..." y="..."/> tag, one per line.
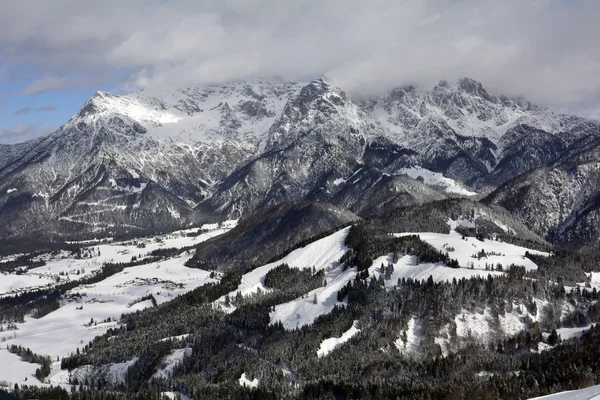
<point x="474" y="88"/>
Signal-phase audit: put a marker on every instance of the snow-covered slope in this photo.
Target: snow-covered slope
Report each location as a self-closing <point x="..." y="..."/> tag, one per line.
<point x="330" y="344"/>
<point x="590" y="393"/>
<point x="476" y="254"/>
<point x="321" y="254"/>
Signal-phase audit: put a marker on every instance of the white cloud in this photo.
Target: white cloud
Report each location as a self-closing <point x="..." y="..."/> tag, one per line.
<point x="45" y="84"/>
<point x="543" y="49"/>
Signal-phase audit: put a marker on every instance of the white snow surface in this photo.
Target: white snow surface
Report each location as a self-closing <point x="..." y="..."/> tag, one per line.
<point x="413" y="337"/>
<point x="436" y="179"/>
<point x="569" y="333"/>
<point x="62" y="331"/>
<point x="178" y="337"/>
<point x="321" y="254"/>
<point x="13" y="370"/>
<point x="173" y="395"/>
<point x="407" y="267"/>
<point x="589" y="393"/>
<point x="244" y="381"/>
<point x="504" y="254"/>
<point x="170" y="361"/>
<point x="330" y="344"/>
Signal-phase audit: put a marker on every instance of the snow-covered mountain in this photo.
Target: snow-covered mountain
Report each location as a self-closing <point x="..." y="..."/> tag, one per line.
<point x="142" y="162"/>
<point x="560" y="201"/>
<point x="463" y="131"/>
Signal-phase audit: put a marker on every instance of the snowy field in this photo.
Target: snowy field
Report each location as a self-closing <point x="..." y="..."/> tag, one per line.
<point x="436" y="179"/>
<point x="321" y="254"/>
<point x="63" y="266"/>
<point x="466" y="250"/>
<point x="90" y="310"/>
<point x="330" y="344"/>
<point x="569" y="333"/>
<point x="590" y="393"/>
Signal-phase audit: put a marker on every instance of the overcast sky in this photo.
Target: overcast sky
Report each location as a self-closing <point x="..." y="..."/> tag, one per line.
<point x="55" y="53"/>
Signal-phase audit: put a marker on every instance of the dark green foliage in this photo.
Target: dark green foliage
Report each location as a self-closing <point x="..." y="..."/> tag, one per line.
<point x="28" y="356"/>
<point x="369" y="244"/>
<point x="565" y="266"/>
<point x="293" y="280"/>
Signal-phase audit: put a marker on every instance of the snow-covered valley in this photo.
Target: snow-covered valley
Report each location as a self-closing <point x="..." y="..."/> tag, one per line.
<point x="89" y="310"/>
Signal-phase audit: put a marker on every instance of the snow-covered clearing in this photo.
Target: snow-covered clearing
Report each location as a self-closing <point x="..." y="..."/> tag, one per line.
<point x="590" y="393"/>
<point x="13" y="370"/>
<point x="407" y="267"/>
<point x="244" y="381"/>
<point x="409" y="339"/>
<point x="330" y="344"/>
<point x="321" y="254"/>
<point x="171" y="360"/>
<point x="466" y="250"/>
<point x="175" y="395"/>
<point x="436" y="179"/>
<point x="569" y="333"/>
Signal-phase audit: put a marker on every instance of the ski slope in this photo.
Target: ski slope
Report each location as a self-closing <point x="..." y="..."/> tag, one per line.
<point x="321" y="254"/>
<point x="408" y="268"/>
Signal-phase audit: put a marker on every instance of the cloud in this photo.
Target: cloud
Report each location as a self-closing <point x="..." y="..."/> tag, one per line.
<point x="27" y="110"/>
<point x="24" y="110"/>
<point x="514" y="47"/>
<point x="22" y="132"/>
<point x="47" y="108"/>
<point x="45" y="84"/>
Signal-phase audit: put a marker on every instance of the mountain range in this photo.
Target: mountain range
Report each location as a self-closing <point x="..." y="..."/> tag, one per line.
<point x="134" y="164"/>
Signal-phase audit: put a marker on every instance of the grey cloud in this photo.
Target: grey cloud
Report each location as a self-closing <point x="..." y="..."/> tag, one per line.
<point x="24" y="110"/>
<point x="47" y="108"/>
<point x="544" y="50"/>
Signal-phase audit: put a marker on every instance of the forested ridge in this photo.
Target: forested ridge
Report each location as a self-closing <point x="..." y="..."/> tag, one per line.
<point x="378" y="361"/>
